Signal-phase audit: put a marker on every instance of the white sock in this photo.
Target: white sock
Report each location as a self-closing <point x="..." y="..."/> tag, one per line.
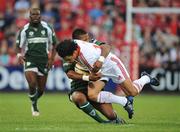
<point x="107" y="97"/>
<point x="139" y="84"/>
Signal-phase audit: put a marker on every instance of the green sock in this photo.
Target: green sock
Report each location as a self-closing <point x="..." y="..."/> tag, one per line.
<point x="88" y="109"/>
<point x="39" y="94"/>
<point x="33" y="97"/>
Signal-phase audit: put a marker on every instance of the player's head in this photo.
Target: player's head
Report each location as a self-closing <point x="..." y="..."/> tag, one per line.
<point x="80" y="34"/>
<point x="35" y="16"/>
<point x="68" y="50"/>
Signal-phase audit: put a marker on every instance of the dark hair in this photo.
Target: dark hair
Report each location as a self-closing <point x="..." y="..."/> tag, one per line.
<point x="77" y="32"/>
<point x="66" y="48"/>
<point x="35" y="8"/>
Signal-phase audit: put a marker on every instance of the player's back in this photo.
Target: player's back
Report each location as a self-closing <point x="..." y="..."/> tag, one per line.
<point x="89" y="52"/>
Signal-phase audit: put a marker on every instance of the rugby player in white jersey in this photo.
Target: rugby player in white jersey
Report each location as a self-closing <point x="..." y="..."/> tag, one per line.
<point x="88" y="54"/>
<point x="79" y="87"/>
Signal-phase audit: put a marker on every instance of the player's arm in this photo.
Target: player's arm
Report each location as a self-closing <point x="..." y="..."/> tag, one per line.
<point x="51" y="56"/>
<point x="20" y="41"/>
<point x="53" y="41"/>
<point x="105" y="50"/>
<point x="69" y="70"/>
<point x="76" y="76"/>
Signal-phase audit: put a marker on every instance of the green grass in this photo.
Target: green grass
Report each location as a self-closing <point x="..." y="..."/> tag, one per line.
<point x="153" y="113"/>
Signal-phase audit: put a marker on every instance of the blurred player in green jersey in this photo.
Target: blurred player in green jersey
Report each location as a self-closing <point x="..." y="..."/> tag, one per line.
<point x="38" y="40"/>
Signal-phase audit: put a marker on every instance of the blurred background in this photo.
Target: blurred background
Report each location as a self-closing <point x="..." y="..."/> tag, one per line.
<point x="154" y="45"/>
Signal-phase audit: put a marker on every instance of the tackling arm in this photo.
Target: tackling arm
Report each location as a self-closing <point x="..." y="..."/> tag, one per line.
<point x="105" y="50"/>
<point x="76" y="76"/>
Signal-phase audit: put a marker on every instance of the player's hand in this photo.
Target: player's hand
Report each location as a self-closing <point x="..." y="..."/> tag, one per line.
<point x="21" y="59"/>
<point x="94" y="76"/>
<point x="49" y="64"/>
<point x="97" y="66"/>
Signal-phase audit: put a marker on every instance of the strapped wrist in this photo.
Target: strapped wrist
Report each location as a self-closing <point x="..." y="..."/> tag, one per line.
<point x="101" y="59"/>
<point x="85" y="78"/>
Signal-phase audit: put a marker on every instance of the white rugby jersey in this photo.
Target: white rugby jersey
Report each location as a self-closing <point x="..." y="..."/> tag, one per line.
<point x="112" y="66"/>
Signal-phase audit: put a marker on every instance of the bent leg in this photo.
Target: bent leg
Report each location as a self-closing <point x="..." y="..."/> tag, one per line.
<point x="135" y="87"/>
<point x="106" y="110"/>
<point x="94" y="89"/>
<point x="81" y="102"/>
<point x="95" y="94"/>
<point x="31" y="78"/>
<point x="79" y="98"/>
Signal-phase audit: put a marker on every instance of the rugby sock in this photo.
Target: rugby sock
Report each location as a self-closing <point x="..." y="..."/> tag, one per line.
<point x="33" y="97"/>
<point x="89" y="109"/>
<point x="139" y="83"/>
<point x="108" y="97"/>
<point x="39" y="94"/>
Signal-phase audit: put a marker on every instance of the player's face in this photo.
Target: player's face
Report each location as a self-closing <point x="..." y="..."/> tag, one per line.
<point x="35" y="16"/>
<point x="84" y="37"/>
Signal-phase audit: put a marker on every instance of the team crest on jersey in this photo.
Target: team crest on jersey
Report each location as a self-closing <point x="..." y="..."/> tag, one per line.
<point x="43" y="32"/>
<point x="31" y="33"/>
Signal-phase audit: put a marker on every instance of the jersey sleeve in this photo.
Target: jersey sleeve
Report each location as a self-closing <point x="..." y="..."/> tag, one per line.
<point x="21" y="38"/>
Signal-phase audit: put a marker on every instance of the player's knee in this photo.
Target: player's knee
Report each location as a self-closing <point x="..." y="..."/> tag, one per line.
<point x="32" y="85"/>
<point x="78" y="98"/>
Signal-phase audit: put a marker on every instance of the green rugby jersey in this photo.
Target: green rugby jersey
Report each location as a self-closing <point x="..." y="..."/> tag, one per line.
<point x="75" y="84"/>
<point x="36" y="41"/>
<point x="78" y="84"/>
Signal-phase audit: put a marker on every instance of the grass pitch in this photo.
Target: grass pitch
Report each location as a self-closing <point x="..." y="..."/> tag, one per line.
<point x="153" y="113"/>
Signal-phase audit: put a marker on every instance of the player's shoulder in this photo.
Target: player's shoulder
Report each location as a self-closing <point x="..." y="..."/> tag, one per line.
<point x="26" y="25"/>
<point x="46" y="25"/>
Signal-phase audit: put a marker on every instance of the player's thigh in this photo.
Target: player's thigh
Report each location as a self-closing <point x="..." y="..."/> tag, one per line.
<point x="31" y="78"/>
<point x="129" y="87"/>
<point x="95" y="87"/>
